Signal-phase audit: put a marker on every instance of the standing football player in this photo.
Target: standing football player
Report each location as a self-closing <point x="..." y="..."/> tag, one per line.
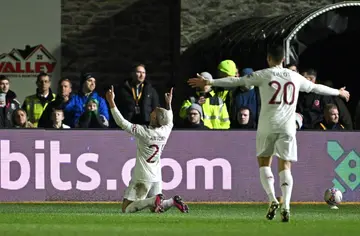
<point x="145" y="187"/>
<point x="276" y="134"/>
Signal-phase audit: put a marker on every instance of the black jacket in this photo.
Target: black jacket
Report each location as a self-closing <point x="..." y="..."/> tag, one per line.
<point x="59" y="103"/>
<point x="188" y="125"/>
<point x="231" y="103"/>
<point x="125" y="102"/>
<point x="311" y="106"/>
<point x="357" y="117"/>
<point x="6" y="112"/>
<point x="90" y="119"/>
<point x="331" y="127"/>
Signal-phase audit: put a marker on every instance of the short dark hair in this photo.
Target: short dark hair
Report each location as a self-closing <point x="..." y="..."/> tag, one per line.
<point x="42" y="74"/>
<point x="57" y="108"/>
<point x="244" y="108"/>
<point x="65" y="79"/>
<point x="137" y="65"/>
<point x="276" y="52"/>
<point x="330" y="106"/>
<point x="290" y="65"/>
<point x="3" y="77"/>
<point x="309" y="71"/>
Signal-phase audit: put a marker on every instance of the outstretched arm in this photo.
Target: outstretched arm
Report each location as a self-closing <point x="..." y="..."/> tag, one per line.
<point x="228" y="82"/>
<point x="325" y="90"/>
<point x="307" y="86"/>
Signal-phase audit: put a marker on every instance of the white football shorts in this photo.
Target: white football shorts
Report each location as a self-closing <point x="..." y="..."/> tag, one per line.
<point x="139" y="190"/>
<point x="283" y="146"/>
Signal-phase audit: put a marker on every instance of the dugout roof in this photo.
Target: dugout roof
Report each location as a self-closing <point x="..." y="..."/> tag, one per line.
<point x="248" y="38"/>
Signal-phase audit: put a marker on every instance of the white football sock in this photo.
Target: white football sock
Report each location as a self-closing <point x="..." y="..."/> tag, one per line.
<point x="267" y="181"/>
<point x="286" y="184"/>
<point x="168" y="203"/>
<point x="140" y="205"/>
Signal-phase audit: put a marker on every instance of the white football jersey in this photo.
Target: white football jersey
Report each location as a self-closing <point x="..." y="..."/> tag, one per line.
<point x="150" y="144"/>
<point x="279" y="90"/>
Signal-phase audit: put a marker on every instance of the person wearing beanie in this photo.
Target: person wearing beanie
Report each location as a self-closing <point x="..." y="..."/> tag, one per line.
<point x="213" y="104"/>
<point x="194" y="118"/>
<point x="77" y="104"/>
<point x="197" y="108"/>
<point x="150" y="142"/>
<point x="246" y="71"/>
<point x="245" y="97"/>
<point x="227" y="68"/>
<point x="91" y="117"/>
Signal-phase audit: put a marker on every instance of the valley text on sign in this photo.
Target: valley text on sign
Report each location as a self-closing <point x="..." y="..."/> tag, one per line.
<point x="27" y="62"/>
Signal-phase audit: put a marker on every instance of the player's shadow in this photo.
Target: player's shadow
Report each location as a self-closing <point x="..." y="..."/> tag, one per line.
<point x="143" y="32"/>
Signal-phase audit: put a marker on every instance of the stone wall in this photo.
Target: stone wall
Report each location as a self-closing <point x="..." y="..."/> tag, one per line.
<point x="108" y="37"/>
<point x="199" y="19"/>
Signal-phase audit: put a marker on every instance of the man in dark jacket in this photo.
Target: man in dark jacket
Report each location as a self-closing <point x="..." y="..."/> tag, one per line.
<point x="8" y="104"/>
<point x="312" y="105"/>
<point x="60" y="102"/>
<point x="244" y="97"/>
<point x="194" y="119"/>
<point x="331" y="119"/>
<point x="244" y="119"/>
<point x="136" y="98"/>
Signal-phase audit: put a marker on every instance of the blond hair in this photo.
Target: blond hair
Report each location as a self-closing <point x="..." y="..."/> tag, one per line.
<point x="163" y="116"/>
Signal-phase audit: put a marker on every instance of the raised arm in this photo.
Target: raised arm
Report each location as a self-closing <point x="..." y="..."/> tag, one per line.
<point x="168" y="99"/>
<point x="136" y="130"/>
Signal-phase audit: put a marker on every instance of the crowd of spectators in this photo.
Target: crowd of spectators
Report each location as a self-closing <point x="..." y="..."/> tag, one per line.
<point x="208" y="108"/>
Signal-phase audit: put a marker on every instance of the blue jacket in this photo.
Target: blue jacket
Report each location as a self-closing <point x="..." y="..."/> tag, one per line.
<point x="77" y="106"/>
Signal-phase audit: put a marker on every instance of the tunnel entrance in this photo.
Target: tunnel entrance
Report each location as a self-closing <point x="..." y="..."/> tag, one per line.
<point x="324" y="38"/>
<point x="336" y="59"/>
<point x="329" y="42"/>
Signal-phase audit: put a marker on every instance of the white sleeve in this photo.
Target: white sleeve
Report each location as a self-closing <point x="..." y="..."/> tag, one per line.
<point x="167" y="128"/>
<point x="310" y="87"/>
<point x="325" y="90"/>
<point x="171" y="117"/>
<point x="137" y="130"/>
<point x="253" y="79"/>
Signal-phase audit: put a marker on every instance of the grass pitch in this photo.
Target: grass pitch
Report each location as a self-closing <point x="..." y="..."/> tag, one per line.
<point x="210" y="220"/>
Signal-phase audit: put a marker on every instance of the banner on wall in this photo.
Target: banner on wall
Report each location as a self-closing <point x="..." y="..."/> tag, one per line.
<point x="27" y="62"/>
<point x="33" y="43"/>
<point x="69" y="165"/>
